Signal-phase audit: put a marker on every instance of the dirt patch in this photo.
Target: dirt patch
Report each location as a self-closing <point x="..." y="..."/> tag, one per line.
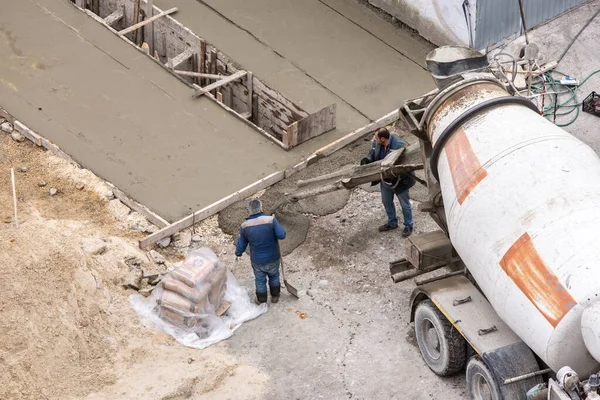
<point x="66" y="328"/>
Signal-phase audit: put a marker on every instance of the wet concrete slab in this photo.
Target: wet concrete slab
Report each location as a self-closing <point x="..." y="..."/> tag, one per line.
<point x="122" y="116"/>
<point x="315" y="52"/>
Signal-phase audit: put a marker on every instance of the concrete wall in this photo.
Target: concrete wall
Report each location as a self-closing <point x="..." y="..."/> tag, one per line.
<point x="442" y="22"/>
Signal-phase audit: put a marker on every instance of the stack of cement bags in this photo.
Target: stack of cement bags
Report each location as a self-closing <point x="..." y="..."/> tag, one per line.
<point x="192" y="293"/>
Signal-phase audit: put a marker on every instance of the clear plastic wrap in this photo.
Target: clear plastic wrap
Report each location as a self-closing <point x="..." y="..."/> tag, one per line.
<point x="186" y="302"/>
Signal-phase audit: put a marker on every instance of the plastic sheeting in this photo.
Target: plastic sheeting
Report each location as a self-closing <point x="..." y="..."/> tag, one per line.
<point x="202" y="328"/>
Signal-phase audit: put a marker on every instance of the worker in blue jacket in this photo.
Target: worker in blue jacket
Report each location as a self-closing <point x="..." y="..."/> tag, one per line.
<point x="383" y="143"/>
<point x="261" y="232"/>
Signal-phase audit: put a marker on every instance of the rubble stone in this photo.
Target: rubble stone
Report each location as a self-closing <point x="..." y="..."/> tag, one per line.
<point x="17" y="136"/>
<point x="196" y="238"/>
<point x="118" y="210"/>
<point x="157" y="257"/>
<point x="185" y="239"/>
<point x="134" y="279"/>
<point x="93" y="246"/>
<point x="53" y="191"/>
<point x="6" y="127"/>
<point x="164" y="242"/>
<point x="79" y="186"/>
<point x="137" y="222"/>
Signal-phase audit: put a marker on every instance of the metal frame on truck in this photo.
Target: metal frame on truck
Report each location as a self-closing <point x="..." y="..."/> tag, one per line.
<point x="455" y="325"/>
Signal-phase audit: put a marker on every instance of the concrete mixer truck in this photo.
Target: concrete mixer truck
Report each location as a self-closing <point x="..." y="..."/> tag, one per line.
<point x="517" y="200"/>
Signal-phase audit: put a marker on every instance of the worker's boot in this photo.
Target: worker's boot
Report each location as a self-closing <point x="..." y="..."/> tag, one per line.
<point x="275" y="290"/>
<point x="260" y="298"/>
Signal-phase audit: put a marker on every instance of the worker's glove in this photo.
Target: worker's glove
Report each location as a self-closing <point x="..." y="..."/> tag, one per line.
<point x="364" y="161"/>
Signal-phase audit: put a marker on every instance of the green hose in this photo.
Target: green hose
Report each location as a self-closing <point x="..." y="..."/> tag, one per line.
<point x="559" y="90"/>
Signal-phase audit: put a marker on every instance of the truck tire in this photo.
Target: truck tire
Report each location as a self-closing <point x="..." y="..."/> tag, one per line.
<point x="481" y="384"/>
<point x="441" y="345"/>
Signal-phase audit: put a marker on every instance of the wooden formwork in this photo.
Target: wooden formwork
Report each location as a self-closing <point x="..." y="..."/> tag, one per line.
<point x="200" y="64"/>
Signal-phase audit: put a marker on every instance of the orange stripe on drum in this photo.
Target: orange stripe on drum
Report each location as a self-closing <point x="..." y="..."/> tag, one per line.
<point x="465" y="168"/>
<point x="523" y="264"/>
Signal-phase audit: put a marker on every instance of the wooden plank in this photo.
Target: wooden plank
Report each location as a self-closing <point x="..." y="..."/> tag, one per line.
<point x="250" y="87"/>
<point x="164" y="44"/>
<point x="268" y="125"/>
<point x="80" y="3"/>
<point x="136" y="19"/>
<point x="43" y="142"/>
<point x="238" y="104"/>
<point x="219" y="96"/>
<point x="135" y="27"/>
<point x="261" y="89"/>
<point x="113" y="18"/>
<point x="228" y="96"/>
<point x="217" y="84"/>
<point x="199" y="75"/>
<point x="290" y="135"/>
<point x="277" y="118"/>
<point x="213" y="63"/>
<point x="255" y="108"/>
<point x="182" y="57"/>
<point x="240" y="117"/>
<point x="279" y="110"/>
<point x="7" y="116"/>
<point x="28" y="133"/>
<point x="202" y="66"/>
<point x="135" y="206"/>
<point x="357" y="134"/>
<point x="315" y="124"/>
<point x="149" y="29"/>
<point x="212" y="209"/>
<point x="96" y="7"/>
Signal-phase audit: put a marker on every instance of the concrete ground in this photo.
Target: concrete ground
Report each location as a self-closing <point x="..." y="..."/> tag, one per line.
<point x="111" y="108"/>
<point x="316" y="52"/>
<point x="119" y="114"/>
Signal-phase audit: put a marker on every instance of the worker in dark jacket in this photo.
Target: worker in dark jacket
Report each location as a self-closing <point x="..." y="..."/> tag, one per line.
<point x="261" y="232"/>
<point x="383" y="143"/>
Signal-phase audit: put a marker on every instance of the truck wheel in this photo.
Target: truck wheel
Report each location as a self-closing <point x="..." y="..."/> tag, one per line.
<point x="481" y="385"/>
<point x="441" y="345"/>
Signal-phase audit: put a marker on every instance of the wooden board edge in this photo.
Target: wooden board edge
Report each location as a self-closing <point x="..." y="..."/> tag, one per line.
<point x="135" y="206"/>
<point x="212" y="209"/>
<point x="357" y="134"/>
<point x="39" y="140"/>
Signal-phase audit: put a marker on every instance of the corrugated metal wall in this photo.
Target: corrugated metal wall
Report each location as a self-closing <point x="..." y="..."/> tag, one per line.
<point x="499" y="19"/>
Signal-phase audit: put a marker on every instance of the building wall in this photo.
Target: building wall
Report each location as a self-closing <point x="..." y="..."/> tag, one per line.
<point x="442" y="22"/>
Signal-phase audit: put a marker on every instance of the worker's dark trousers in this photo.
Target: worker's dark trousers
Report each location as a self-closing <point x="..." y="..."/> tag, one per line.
<point x="387" y="198"/>
<point x="262" y="271"/>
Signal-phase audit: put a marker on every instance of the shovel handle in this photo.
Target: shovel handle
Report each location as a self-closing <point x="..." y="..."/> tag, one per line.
<point x="281" y="261"/>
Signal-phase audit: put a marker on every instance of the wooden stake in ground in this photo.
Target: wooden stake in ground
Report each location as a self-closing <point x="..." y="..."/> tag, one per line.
<point x="12" y="178"/>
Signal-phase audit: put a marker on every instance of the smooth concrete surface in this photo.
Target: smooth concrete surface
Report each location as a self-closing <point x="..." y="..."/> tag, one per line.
<point x="122" y="116"/>
<point x="314" y="52"/>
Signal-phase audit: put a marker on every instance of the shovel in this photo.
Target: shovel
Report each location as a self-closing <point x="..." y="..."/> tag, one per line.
<point x="291" y="290"/>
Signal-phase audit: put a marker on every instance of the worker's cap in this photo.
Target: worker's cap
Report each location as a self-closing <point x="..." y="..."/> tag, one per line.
<point x="254" y="206"/>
